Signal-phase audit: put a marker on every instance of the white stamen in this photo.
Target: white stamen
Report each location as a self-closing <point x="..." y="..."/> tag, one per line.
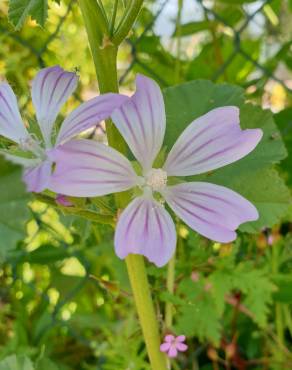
<point x="30" y="144"/>
<point x="156" y="179"/>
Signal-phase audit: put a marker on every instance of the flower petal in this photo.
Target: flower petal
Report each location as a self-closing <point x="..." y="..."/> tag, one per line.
<point x="180" y="338"/>
<point x="89" y="114"/>
<point x="86" y="168"/>
<point x="212" y="210"/>
<point x="11" y="125"/>
<point x="164" y="347"/>
<point x="181" y="347"/>
<point x="211" y="141"/>
<point x="50" y="89"/>
<point x="169" y="338"/>
<point x="141" y="121"/>
<point x="37" y="178"/>
<point x="172" y="352"/>
<point x="146" y="228"/>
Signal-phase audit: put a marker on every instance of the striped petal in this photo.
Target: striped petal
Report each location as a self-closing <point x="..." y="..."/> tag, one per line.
<point x="11" y="125"/>
<point x="37" y="178"/>
<point x="141" y="121"/>
<point x="89" y="114"/>
<point x="211" y="141"/>
<point x="85" y="168"/>
<point x="146" y="228"/>
<point x="212" y="210"/>
<point x="50" y="89"/>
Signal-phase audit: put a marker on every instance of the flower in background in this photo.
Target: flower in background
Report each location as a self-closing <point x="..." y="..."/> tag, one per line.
<point x="50" y="89"/>
<point x="62" y="200"/>
<point x="86" y="169"/>
<point x="172" y="345"/>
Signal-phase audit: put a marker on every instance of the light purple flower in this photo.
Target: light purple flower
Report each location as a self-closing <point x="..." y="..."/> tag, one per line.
<point x="86" y="168"/>
<point x="50" y="89"/>
<point x="172" y="345"/>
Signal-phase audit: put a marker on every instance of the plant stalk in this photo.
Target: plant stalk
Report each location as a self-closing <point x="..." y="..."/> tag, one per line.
<point x="104" y="52"/>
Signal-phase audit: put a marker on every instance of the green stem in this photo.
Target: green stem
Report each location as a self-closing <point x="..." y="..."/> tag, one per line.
<point x="178" y="45"/>
<point x="145" y="309"/>
<point x="278" y="308"/>
<point x="170" y="288"/>
<point x="104" y="52"/>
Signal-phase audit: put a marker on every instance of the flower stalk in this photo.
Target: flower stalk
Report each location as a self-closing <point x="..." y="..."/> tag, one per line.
<point x="104" y="52"/>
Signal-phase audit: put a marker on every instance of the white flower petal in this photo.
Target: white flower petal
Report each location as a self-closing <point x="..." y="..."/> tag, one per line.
<point x="212" y="210"/>
<point x="11" y="125"/>
<point x="211" y="141"/>
<point x="146" y="228"/>
<point x="50" y="89"/>
<point x="86" y="168"/>
<point x="89" y="114"/>
<point x="141" y="121"/>
<point x="37" y="178"/>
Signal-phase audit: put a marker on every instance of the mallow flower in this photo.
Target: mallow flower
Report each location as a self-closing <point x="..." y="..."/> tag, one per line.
<point x="50" y="89"/>
<point x="87" y="169"/>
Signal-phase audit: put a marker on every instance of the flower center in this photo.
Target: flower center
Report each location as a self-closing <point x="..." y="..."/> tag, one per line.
<point x="156" y="178"/>
<point x="30" y="144"/>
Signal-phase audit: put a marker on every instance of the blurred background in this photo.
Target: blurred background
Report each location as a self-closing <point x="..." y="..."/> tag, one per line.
<point x="65" y="301"/>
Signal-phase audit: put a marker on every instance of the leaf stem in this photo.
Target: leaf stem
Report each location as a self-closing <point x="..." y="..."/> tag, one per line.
<point x="112" y="25"/>
<point x="131" y="13"/>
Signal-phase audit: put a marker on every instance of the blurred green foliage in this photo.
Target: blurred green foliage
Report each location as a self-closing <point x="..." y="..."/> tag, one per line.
<point x="65" y="300"/>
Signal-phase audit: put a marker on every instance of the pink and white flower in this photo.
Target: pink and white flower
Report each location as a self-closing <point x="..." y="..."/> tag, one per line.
<point x="50" y="89"/>
<point x="172" y="345"/>
<point x="86" y="168"/>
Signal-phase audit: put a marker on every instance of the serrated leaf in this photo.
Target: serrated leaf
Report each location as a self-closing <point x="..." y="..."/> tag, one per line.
<point x="258" y="290"/>
<point x="19" y="10"/>
<point x="14" y="212"/>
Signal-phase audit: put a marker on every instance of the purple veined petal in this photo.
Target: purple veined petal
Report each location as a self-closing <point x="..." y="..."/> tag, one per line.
<point x="37" y="178"/>
<point x="86" y="168"/>
<point x="146" y="228"/>
<point x="89" y="114"/>
<point x="211" y="141"/>
<point x="181" y="347"/>
<point x="22" y="161"/>
<point x="11" y="125"/>
<point x="212" y="210"/>
<point x="50" y="89"/>
<point x="164" y="347"/>
<point x="172" y="352"/>
<point x="141" y="121"/>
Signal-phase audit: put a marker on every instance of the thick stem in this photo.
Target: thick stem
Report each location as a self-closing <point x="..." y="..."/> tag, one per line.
<point x="145" y="309"/>
<point x="104" y="53"/>
<point x="170" y="288"/>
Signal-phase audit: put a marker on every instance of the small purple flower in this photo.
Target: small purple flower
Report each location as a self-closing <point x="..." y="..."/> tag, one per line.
<point x="86" y="169"/>
<point x="62" y="200"/>
<point x="172" y="345"/>
<point x="50" y="89"/>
